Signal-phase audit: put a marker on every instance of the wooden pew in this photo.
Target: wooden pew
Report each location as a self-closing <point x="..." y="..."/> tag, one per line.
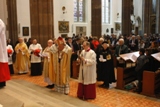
<point x="151" y="83"/>
<point x="126" y="73"/>
<point x="125" y="76"/>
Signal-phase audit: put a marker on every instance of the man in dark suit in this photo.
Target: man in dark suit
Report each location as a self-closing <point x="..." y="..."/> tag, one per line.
<point x="77" y="48"/>
<point x="113" y="42"/>
<point x="69" y="42"/>
<point x="133" y="44"/>
<point x="121" y="48"/>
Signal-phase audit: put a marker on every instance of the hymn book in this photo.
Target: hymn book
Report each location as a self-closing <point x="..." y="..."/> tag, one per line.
<point x="156" y="56"/>
<point x="130" y="56"/>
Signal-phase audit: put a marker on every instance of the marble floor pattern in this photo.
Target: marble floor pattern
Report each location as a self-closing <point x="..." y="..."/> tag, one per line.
<point x="105" y="97"/>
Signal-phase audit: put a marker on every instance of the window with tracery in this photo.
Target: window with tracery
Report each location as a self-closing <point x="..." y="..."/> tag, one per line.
<point x="106" y="7"/>
<point x="79" y="10"/>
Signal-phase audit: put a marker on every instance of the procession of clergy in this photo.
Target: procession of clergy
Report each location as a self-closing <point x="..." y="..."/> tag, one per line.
<point x="94" y="57"/>
<point x="56" y="65"/>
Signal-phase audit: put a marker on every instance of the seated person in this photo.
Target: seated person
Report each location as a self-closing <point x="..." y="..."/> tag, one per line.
<point x="140" y="64"/>
<point x="149" y="66"/>
<point x="121" y="48"/>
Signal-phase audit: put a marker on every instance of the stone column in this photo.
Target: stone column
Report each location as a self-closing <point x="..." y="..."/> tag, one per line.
<point x="96" y="23"/>
<point x="12" y="20"/>
<point x="146" y="11"/>
<point x="42" y="23"/>
<point x="157" y="17"/>
<point x="126" y="12"/>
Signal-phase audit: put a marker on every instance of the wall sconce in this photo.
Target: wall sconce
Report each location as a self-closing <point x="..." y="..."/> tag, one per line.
<point x="64" y="9"/>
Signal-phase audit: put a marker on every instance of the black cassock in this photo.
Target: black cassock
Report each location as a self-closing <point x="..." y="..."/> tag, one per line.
<point x="106" y="69"/>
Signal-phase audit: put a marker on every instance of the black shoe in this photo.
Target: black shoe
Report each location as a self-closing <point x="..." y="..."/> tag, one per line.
<point x="50" y="86"/>
<point x="106" y="86"/>
<point x="2" y="87"/>
<point x="137" y="91"/>
<point x="114" y="81"/>
<point x="102" y="85"/>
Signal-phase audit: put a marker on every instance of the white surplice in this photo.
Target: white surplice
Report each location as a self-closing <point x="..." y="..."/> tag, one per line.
<point x="87" y="72"/>
<point x="3" y="51"/>
<point x="34" y="58"/>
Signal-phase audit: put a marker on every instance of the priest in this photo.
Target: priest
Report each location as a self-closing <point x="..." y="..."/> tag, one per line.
<point x="87" y="73"/>
<point x="35" y="50"/>
<point x="48" y="65"/>
<point x="22" y="63"/>
<point x="4" y="69"/>
<point x="61" y="65"/>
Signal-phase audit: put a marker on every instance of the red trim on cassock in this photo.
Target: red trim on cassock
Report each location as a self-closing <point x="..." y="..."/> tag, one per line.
<point x="86" y="91"/>
<point x="4" y="72"/>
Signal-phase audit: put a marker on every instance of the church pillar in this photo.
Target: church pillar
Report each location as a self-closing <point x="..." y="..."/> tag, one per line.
<point x="157" y="17"/>
<point x="126" y="12"/>
<point x="96" y="17"/>
<point x="12" y="20"/>
<point x="41" y="12"/>
<point x="146" y="13"/>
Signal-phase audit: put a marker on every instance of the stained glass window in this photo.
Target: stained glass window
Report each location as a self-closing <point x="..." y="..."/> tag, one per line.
<point x="79" y="10"/>
<point x="106" y="4"/>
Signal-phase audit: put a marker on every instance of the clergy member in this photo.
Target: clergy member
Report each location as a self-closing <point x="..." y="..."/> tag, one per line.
<point x="61" y="65"/>
<point x="35" y="50"/>
<point x="87" y="73"/>
<point x="4" y="69"/>
<point x="22" y="57"/>
<point x="48" y="65"/>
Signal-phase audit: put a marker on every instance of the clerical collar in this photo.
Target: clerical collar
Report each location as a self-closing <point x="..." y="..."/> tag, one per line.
<point x="88" y="50"/>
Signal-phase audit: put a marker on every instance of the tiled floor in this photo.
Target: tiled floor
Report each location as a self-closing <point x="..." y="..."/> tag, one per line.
<point x="105" y="97"/>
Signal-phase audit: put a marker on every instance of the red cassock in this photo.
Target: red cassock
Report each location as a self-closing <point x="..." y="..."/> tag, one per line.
<point x="4" y="69"/>
<point x="86" y="91"/>
<point x="4" y="72"/>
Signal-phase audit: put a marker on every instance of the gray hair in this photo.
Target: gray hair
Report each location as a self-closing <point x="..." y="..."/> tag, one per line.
<point x="101" y="39"/>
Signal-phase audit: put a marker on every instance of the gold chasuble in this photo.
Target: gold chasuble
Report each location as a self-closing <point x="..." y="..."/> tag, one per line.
<point x="48" y="64"/>
<point x="61" y="68"/>
<point x="22" y="63"/>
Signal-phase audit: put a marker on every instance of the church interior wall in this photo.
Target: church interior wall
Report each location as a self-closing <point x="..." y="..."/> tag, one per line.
<point x="59" y="16"/>
<point x="23" y="17"/>
<point x="116" y="7"/>
<point x="138" y="13"/>
<point x="87" y="22"/>
<point x="68" y="16"/>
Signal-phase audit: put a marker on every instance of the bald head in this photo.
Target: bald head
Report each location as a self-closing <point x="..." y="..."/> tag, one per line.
<point x="50" y="42"/>
<point x="20" y="39"/>
<point x="121" y="41"/>
<point x="145" y="35"/>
